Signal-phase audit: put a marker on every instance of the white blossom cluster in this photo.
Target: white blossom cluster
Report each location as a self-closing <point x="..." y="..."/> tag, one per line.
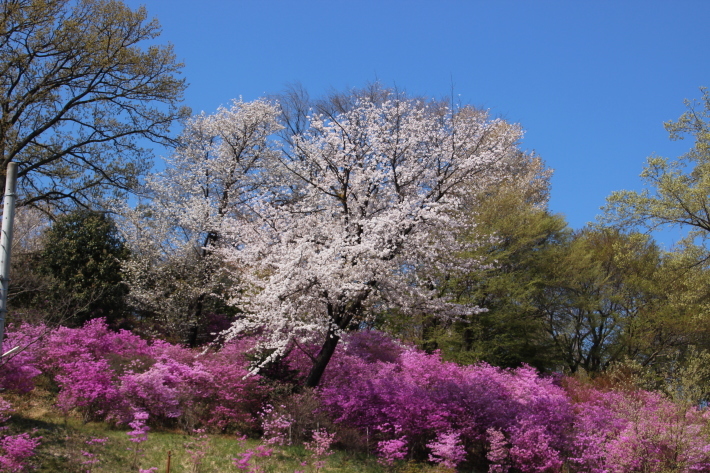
<point x="360" y="204"/>
<point x="323" y="230"/>
<point x="217" y="168"/>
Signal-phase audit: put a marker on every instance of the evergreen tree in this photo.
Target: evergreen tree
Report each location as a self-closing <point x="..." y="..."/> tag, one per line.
<point x="82" y="254"/>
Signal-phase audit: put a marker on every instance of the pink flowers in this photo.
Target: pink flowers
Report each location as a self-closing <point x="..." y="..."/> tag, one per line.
<point x="140" y="430"/>
<point x="420" y="401"/>
<point x="392" y="450"/>
<point x="245" y="460"/>
<point x="106" y="375"/>
<point x="418" y="405"/>
<point x="276" y="426"/>
<point x="407" y="403"/>
<point x="15" y="450"/>
<point x="447" y="450"/>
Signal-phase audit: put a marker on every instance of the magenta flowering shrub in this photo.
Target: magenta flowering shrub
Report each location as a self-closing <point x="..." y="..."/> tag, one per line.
<point x="368" y="345"/>
<point x="232" y="397"/>
<point x="212" y="389"/>
<point x="404" y="402"/>
<point x="107" y="375"/>
<point x="637" y="431"/>
<point x="163" y="389"/>
<point x="447" y="450"/>
<point x="139" y="434"/>
<point x="18" y="370"/>
<point x="15" y="450"/>
<point x="276" y="426"/>
<point x="497" y="451"/>
<point x="88" y="385"/>
<point x="392" y="450"/>
<point x="96" y="341"/>
<point x="319" y="446"/>
<point x="321" y="442"/>
<point x="444" y="411"/>
<point x="533" y="448"/>
<point x="372" y="346"/>
<point x="86" y="363"/>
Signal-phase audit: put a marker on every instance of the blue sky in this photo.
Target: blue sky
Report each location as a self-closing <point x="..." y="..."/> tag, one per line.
<point x="591" y="81"/>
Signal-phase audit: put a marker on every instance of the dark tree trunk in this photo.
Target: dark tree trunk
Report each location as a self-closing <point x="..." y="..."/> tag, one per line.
<point x="192" y="338"/>
<point x="194" y="332"/>
<point x="341" y="315"/>
<point x="322" y="359"/>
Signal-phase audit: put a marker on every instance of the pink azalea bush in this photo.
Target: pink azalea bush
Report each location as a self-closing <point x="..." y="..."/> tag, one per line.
<point x="18" y="370"/>
<point x="276" y="426"/>
<point x="507" y="420"/>
<point x="108" y="375"/>
<point x="447" y="450"/>
<point x="444" y="410"/>
<point x="15" y="450"/>
<point x="408" y="404"/>
<point x="637" y="431"/>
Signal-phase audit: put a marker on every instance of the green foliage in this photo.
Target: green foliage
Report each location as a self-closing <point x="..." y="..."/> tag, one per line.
<point x="677" y="195"/>
<point x="678" y="192"/>
<point x="683" y="377"/>
<point x="563" y="300"/>
<point x="599" y="284"/>
<point x="82" y="254"/>
<point x="511" y="219"/>
<point x="610" y="296"/>
<point x="511" y="330"/>
<point x="77" y="93"/>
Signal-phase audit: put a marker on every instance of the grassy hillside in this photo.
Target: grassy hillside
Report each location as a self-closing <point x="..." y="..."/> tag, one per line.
<point x="64" y="448"/>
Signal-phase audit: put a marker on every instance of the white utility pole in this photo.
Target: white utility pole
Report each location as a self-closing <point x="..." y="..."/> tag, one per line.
<point x="8" y="217"/>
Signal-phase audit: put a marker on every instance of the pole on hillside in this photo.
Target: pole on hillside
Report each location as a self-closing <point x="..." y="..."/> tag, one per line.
<point x="8" y="217"/>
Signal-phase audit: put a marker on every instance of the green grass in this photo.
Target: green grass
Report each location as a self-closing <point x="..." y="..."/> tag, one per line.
<point x="64" y="438"/>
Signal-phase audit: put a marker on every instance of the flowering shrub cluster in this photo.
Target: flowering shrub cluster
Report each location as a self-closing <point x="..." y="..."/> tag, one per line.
<point x="508" y="420"/>
<point x="109" y="375"/>
<point x="621" y="431"/>
<point x="14" y="449"/>
<point x="19" y="369"/>
<point x="420" y="403"/>
<point x="405" y="403"/>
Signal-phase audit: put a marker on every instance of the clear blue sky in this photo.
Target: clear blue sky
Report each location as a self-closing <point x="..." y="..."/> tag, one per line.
<point x="592" y="81"/>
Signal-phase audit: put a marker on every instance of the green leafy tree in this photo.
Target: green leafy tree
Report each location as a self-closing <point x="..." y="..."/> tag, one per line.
<point x="573" y="301"/>
<point x="596" y="285"/>
<point x="514" y="226"/>
<point x="82" y="254"/>
<point x="677" y="195"/>
<point x="678" y="192"/>
<point x="511" y="330"/>
<point x="609" y="296"/>
<point x="78" y="96"/>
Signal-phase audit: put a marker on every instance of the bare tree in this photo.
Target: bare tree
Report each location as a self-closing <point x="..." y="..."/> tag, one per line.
<point x="78" y="93"/>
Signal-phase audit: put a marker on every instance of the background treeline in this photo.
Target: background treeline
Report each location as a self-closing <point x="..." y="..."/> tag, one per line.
<point x="558" y="299"/>
<point x="415" y="230"/>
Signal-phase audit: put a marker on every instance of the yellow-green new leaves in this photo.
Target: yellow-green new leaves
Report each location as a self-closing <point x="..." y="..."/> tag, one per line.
<point x="678" y="191"/>
<point x="77" y="92"/>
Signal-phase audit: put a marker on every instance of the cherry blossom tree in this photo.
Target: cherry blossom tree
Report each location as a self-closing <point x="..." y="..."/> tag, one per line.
<point x="354" y="207"/>
<point x="214" y="172"/>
